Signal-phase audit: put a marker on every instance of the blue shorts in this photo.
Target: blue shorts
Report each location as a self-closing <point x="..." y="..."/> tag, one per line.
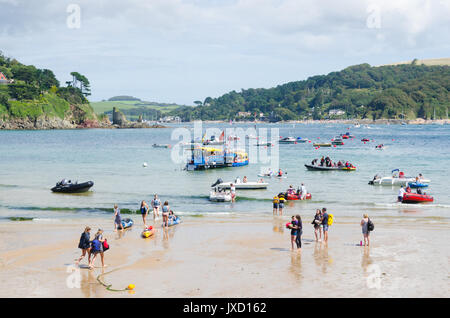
<point x="325" y="227"/>
<point x="281" y="205"/>
<point x="275" y="205"/>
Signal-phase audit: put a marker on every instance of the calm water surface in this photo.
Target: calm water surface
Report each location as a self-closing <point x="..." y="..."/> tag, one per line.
<point x="31" y="162"/>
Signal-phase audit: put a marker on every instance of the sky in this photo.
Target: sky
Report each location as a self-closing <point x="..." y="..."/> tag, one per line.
<point x="186" y="50"/>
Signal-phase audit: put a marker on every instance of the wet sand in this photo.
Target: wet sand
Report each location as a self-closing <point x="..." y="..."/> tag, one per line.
<point x="229" y="257"/>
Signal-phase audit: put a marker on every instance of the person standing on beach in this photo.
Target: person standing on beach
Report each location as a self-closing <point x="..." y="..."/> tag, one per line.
<point x="97" y="248"/>
<point x="298" y="239"/>
<point x="117" y="219"/>
<point x="365" y="229"/>
<point x="155" y="205"/>
<point x="85" y="245"/>
<point x="144" y="212"/>
<point x="294" y="231"/>
<point x="275" y="202"/>
<point x="281" y="203"/>
<point x="325" y="224"/>
<point x="233" y="192"/>
<point x="317" y="222"/>
<point x="165" y="214"/>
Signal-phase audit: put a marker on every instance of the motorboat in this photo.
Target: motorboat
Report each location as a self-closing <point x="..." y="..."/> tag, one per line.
<point x="409" y="197"/>
<point x="327" y="144"/>
<point x="400" y="180"/>
<point x="241" y="185"/>
<point x="264" y="144"/>
<point x="416" y="184"/>
<point x="217" y="195"/>
<point x="288" y="140"/>
<point x="161" y="146"/>
<point x="333" y="168"/>
<point x="296" y="196"/>
<point x="337" y="141"/>
<point x="365" y="139"/>
<point x="66" y="186"/>
<point x="302" y="140"/>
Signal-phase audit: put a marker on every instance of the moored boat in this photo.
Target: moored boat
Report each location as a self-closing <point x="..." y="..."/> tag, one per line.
<point x="243" y="185"/>
<point x="219" y="196"/>
<point x="287" y="140"/>
<point x="65" y="186"/>
<point x="161" y="146"/>
<point x="325" y="168"/>
<point x="322" y="145"/>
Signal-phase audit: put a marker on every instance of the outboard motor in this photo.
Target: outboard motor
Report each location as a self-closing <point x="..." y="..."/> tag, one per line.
<point x="219" y="181"/>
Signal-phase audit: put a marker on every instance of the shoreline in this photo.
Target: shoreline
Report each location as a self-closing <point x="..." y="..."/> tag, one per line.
<point x="135" y="125"/>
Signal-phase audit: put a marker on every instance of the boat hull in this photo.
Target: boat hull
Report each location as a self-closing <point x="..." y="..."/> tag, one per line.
<point x="294" y="197"/>
<point x="323" y="168"/>
<point x="244" y="186"/>
<point x="416" y="198"/>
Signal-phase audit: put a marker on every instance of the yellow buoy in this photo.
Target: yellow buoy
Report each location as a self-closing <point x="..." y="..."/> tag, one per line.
<point x="131" y="287"/>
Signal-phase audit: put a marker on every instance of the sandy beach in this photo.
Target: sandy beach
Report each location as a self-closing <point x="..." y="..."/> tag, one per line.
<point x="229" y="257"/>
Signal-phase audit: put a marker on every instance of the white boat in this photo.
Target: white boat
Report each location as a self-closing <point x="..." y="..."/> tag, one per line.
<point x="287" y="140"/>
<point x="388" y="181"/>
<point x="244" y="185"/>
<point x="219" y="196"/>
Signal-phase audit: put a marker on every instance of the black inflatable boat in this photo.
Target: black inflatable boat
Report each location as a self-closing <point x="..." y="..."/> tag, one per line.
<point x="69" y="187"/>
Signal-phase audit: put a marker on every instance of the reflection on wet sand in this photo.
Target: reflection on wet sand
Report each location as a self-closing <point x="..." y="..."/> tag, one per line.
<point x="321" y="256"/>
<point x="366" y="260"/>
<point x="88" y="283"/>
<point x="278" y="225"/>
<point x="296" y="265"/>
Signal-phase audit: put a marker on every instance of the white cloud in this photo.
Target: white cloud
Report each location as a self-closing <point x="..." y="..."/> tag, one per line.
<point x="153" y="47"/>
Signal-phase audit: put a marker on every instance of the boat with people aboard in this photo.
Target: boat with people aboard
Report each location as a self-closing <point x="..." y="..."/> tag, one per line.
<point x="292" y="195"/>
<point x="324" y="168"/>
<point x="379" y="147"/>
<point x="409" y="197"/>
<point x="287" y="140"/>
<point x="241" y="185"/>
<point x="347" y="135"/>
<point x="326" y="164"/>
<point x="203" y="157"/>
<point x="66" y="186"/>
<point x="400" y="179"/>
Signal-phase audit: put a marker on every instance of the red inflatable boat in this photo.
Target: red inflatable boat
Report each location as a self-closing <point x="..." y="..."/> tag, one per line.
<point x="416" y="198"/>
<point x="294" y="196"/>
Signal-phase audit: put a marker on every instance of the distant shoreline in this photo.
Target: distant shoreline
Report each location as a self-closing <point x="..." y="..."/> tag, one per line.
<point x="418" y="121"/>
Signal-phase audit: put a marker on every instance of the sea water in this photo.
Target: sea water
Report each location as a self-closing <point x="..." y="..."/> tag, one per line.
<point x="31" y="162"/>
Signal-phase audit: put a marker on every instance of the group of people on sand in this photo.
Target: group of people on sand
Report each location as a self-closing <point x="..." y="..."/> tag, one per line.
<point x="99" y="244"/>
<point x="327" y="162"/>
<point x="95" y="247"/>
<point x="166" y="212"/>
<point x="321" y="224"/>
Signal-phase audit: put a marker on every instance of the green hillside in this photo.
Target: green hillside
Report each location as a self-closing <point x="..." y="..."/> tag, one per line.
<point x="133" y="108"/>
<point x="406" y="91"/>
<point x="30" y="93"/>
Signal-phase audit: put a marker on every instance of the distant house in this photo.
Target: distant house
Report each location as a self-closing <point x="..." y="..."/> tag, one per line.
<point x="336" y="112"/>
<point x="244" y="114"/>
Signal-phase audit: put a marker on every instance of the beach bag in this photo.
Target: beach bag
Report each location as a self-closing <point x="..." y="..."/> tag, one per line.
<point x="330" y="219"/>
<point x="95" y="245"/>
<point x="105" y="245"/>
<point x="370" y="226"/>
